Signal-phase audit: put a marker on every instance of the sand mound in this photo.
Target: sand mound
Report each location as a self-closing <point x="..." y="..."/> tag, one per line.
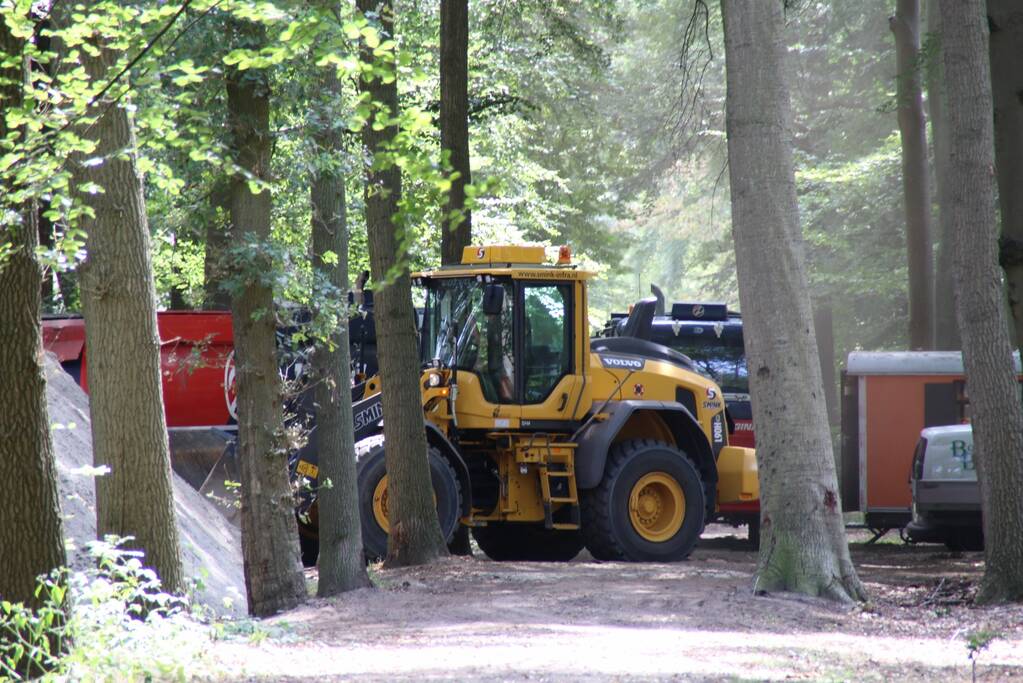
<point x="210" y="545"/>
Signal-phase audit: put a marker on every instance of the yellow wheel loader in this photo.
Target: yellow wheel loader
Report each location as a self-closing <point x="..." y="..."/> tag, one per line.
<point x="542" y="441"/>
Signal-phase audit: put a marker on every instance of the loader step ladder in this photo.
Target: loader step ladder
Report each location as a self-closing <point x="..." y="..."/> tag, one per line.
<point x="556" y="468"/>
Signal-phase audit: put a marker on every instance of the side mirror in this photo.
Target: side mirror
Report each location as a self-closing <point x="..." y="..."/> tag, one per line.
<point x="493" y="299"/>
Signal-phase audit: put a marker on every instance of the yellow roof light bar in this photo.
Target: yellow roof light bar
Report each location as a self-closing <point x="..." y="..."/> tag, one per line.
<point x="490" y="255"/>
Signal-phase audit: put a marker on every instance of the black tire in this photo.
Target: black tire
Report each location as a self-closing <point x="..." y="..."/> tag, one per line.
<point x="310" y="548"/>
<point x="371" y="468"/>
<point x="753" y="537"/>
<point x="959" y="540"/>
<point x="518" y="541"/>
<point x="608" y="529"/>
<point x="459" y="544"/>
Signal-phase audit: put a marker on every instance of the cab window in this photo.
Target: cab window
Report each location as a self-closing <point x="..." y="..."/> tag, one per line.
<point x="547" y="339"/>
<point x="457" y="325"/>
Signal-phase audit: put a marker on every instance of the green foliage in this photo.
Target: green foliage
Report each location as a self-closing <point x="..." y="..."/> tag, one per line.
<point x="977" y="642"/>
<point x="589" y="126"/>
<point x="110" y="622"/>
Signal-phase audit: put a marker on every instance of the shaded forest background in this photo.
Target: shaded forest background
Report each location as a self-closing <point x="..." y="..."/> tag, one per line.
<point x="581" y="134"/>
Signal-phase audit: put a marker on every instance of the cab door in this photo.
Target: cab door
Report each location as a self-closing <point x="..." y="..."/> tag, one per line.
<point x="549" y="376"/>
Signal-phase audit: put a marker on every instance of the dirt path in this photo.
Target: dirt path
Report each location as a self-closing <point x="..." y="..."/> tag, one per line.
<point x="470" y="619"/>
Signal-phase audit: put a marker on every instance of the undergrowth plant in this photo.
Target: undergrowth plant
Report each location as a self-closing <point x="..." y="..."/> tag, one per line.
<point x="977" y="642"/>
<point x="112" y="622"/>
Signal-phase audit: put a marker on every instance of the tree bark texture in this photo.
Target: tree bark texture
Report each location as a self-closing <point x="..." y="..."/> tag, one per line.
<point x="946" y="329"/>
<point x="454" y="124"/>
<point x="31" y="538"/>
<point x="1005" y="19"/>
<point x="905" y="26"/>
<point x="273" y="572"/>
<point x="129" y="430"/>
<point x="997" y="413"/>
<point x="415" y="536"/>
<point x="803" y="546"/>
<point x="341" y="561"/>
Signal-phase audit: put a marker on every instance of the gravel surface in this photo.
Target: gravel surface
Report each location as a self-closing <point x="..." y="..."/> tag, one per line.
<point x="471" y="619"/>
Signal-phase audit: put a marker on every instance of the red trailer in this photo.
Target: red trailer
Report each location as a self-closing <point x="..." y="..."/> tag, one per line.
<point x="195" y="359"/>
<point x="196" y="350"/>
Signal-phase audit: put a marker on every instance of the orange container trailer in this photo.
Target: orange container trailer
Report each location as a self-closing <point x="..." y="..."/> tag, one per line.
<point x="887" y="398"/>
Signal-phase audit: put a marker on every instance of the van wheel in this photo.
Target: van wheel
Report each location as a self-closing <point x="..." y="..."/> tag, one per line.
<point x="649" y="507"/>
<point x="371" y="478"/>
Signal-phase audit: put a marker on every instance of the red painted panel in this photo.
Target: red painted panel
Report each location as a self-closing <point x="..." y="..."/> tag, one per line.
<point x="194" y="348"/>
<point x="64" y="337"/>
<point x="895" y="416"/>
<point x="743" y="434"/>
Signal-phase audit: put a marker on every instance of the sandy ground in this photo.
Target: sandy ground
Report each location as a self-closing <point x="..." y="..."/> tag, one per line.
<point x="471" y="619"/>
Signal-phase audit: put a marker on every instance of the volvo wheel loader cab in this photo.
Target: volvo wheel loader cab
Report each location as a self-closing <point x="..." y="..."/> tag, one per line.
<point x="546" y="443"/>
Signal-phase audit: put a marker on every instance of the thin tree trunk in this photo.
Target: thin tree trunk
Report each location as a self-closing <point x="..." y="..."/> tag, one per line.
<point x="45" y="238"/>
<point x="803" y="545"/>
<point x="217" y="241"/>
<point x="905" y="25"/>
<point x="341" y="561"/>
<point x="415" y="536"/>
<point x="454" y="124"/>
<point x="129" y="431"/>
<point x="273" y="572"/>
<point x="946" y="329"/>
<point x="987" y="354"/>
<point x="31" y="539"/>
<point x="1005" y="18"/>
<point x="824" y="328"/>
<point x="177" y="296"/>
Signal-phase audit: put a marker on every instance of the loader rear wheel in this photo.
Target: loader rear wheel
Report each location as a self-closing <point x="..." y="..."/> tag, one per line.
<point x="371" y="477"/>
<point x="649" y="507"/>
<point x="517" y="541"/>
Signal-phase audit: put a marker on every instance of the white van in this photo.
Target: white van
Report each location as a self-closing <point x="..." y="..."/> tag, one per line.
<point x="946" y="496"/>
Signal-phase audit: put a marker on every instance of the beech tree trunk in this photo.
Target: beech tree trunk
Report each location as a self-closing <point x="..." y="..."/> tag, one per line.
<point x="905" y="26"/>
<point x="216" y="298"/>
<point x="946" y="329"/>
<point x="341" y="561"/>
<point x="454" y="125"/>
<point x="129" y="431"/>
<point x="803" y="546"/>
<point x="31" y="538"/>
<point x="1005" y="19"/>
<point x="997" y="413"/>
<point x="415" y="536"/>
<point x="273" y="571"/>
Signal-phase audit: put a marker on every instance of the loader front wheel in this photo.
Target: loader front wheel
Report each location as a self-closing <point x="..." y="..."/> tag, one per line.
<point x="518" y="541"/>
<point x="371" y="477"/>
<point x="649" y="507"/>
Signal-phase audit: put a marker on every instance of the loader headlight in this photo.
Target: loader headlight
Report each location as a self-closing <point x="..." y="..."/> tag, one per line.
<point x="433" y="380"/>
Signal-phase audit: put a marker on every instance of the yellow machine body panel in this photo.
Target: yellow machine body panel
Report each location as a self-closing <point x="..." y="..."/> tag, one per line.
<point x="656" y="381"/>
<point x="512" y="382"/>
<point x="737" y="475"/>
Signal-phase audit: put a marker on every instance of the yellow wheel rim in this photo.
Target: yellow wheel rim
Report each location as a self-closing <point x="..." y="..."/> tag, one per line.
<point x="657" y="507"/>
<point x="380" y="513"/>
